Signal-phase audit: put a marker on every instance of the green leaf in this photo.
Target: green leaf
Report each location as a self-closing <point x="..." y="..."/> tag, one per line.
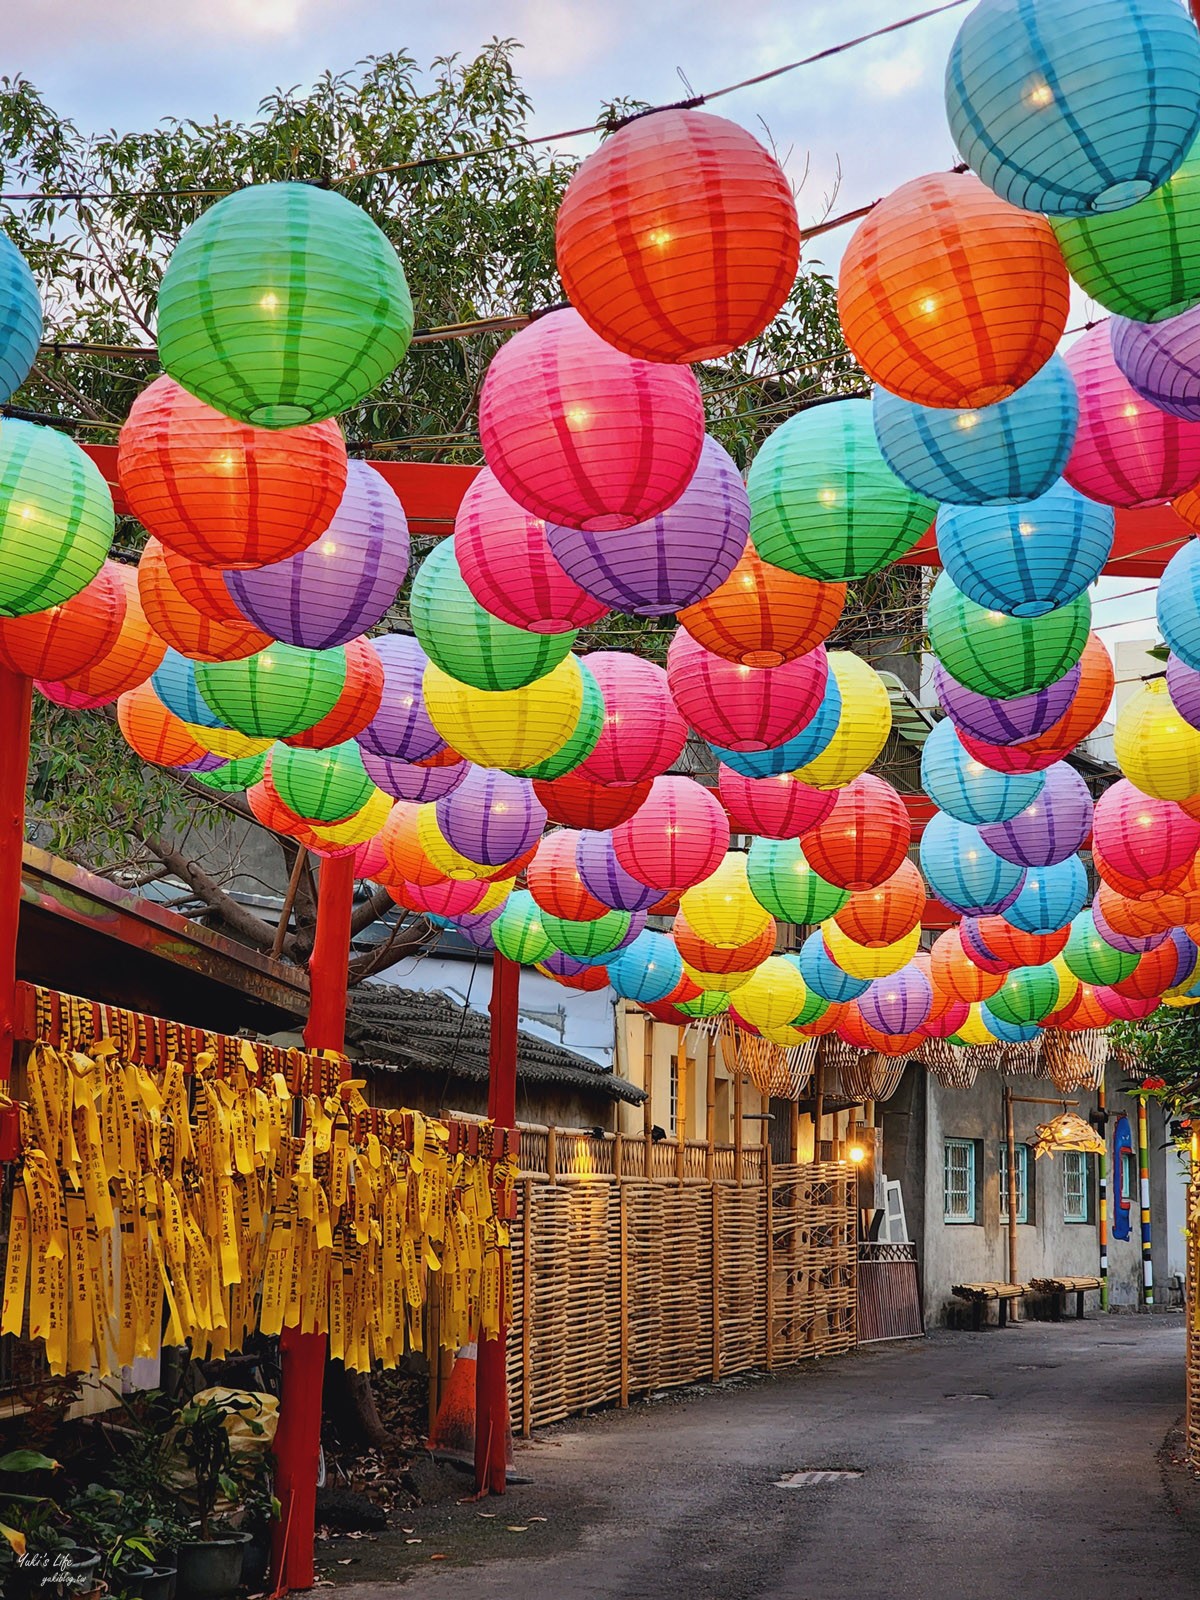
<point x="27" y="1461"/>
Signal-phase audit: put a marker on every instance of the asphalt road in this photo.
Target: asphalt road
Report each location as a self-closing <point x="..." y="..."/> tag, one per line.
<point x="1025" y="1462"/>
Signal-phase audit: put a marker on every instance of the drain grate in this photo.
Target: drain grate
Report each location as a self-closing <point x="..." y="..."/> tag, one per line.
<point x="810" y="1477"/>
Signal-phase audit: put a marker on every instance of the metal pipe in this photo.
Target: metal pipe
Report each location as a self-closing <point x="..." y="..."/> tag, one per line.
<point x="1144" y="1195"/>
<point x="1010" y="1142"/>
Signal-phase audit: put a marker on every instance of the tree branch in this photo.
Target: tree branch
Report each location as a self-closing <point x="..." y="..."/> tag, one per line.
<point x="243" y="922"/>
<point x="405" y="939"/>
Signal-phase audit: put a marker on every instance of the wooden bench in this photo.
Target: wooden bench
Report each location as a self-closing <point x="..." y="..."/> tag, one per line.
<point x="978" y="1295"/>
<point x="1059" y="1289"/>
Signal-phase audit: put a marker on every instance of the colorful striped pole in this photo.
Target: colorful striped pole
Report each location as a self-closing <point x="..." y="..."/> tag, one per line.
<point x="1144" y="1172"/>
<point x="1102" y="1173"/>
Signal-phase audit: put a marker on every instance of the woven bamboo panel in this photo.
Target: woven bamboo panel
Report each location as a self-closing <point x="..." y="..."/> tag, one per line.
<point x="813" y="1249"/>
<point x="645" y="1243"/>
<point x="952" y="1066"/>
<point x="1075" y="1060"/>
<point x="685" y="1353"/>
<point x="741" y="1279"/>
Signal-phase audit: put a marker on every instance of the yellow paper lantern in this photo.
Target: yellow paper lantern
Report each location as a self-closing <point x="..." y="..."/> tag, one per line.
<point x="774" y="995"/>
<point x="509" y="728"/>
<point x="227" y="742"/>
<point x="722" y="910"/>
<point x="863" y="726"/>
<point x="1068" y="983"/>
<point x="364" y="824"/>
<point x="861" y="962"/>
<point x="718" y="982"/>
<point x="1157" y="750"/>
<point x="786" y="1036"/>
<point x="975" y="1030"/>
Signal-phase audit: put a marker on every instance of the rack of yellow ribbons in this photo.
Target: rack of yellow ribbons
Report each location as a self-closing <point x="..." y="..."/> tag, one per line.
<point x="162" y="1201"/>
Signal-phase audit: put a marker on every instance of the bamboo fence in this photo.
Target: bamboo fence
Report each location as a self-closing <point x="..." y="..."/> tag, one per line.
<point x="1192" y="1303"/>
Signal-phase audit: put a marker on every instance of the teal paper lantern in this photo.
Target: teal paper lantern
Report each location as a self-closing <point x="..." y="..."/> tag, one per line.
<point x="1050" y="897"/>
<point x="278" y="692"/>
<point x="20" y="319"/>
<point x="518" y="933"/>
<point x="174" y="682"/>
<point x="233" y="777"/>
<point x="648" y="968"/>
<point x="283" y="304"/>
<point x="321" y="785"/>
<point x="963" y="871"/>
<point x="999" y="655"/>
<point x="825" y="503"/>
<point x="1028" y="559"/>
<point x="1027" y="995"/>
<point x="56" y="518"/>
<point x="962" y="786"/>
<point x="784" y="884"/>
<point x="1074" y="106"/>
<point x="991" y="455"/>
<point x="1178" y="603"/>
<point x="469" y="643"/>
<point x="823" y="975"/>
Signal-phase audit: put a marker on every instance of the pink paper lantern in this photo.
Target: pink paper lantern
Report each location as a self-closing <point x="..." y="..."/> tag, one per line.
<point x="1141" y="837"/>
<point x="643" y="733"/>
<point x="677" y="838"/>
<point x="744" y="708"/>
<point x="780" y="807"/>
<point x="1123" y="1007"/>
<point x="584" y="436"/>
<point x="369" y="857"/>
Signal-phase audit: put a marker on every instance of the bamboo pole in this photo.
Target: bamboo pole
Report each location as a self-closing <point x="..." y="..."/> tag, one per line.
<point x="716" y="1282"/>
<point x="552" y="1153"/>
<point x="681" y="1105"/>
<point x="737" y="1127"/>
<point x="289" y="900"/>
<point x="647" y="1104"/>
<point x="618" y="1153"/>
<point x="1010" y="1143"/>
<point x="769" y="1213"/>
<point x="527" y="1310"/>
<point x="1102" y="1180"/>
<point x="793" y="1131"/>
<point x="818" y="1112"/>
<point x="624" y="1334"/>
<point x="710" y="1112"/>
<point x="1144" y="1197"/>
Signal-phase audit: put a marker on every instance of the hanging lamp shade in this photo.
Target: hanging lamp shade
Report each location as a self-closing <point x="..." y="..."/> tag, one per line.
<point x="442" y="899"/>
<point x="356" y="706"/>
<point x="279" y="691"/>
<point x="67" y="638"/>
<point x="955" y="974"/>
<point x="401" y="729"/>
<point x="321" y="785"/>
<point x="963" y="871"/>
<point x="1142" y="836"/>
<point x="180" y="625"/>
<point x="1183" y="685"/>
<point x="1070" y="108"/>
<point x="762" y="616"/>
<point x="983" y="455"/>
<point x="580" y="803"/>
<point x="875" y="963"/>
<point x="406" y="780"/>
<point x="233" y="777"/>
<point x="780" y="807"/>
<point x="823" y="501"/>
<point x="137" y="653"/>
<point x="1033" y="757"/>
<point x="596" y="937"/>
<point x="678" y="239"/>
<point x="673" y="559"/>
<point x="647" y="970"/>
<point x="1018" y="949"/>
<point x="964" y="787"/>
<point x="864" y="722"/>
<point x="1126" y="452"/>
<point x="583" y="739"/>
<point x="1127" y="925"/>
<point x="813" y="740"/>
<point x="975" y="1030"/>
<point x="1027" y="559"/>
<point x="1178" y="604"/>
<point x="507" y="564"/>
<point x="784" y="882"/>
<point x="973" y="933"/>
<point x="228" y="744"/>
<point x="407" y="861"/>
<point x="677" y="837"/>
<point x="950" y="298"/>
<point x="604" y="877"/>
<point x="999" y="655"/>
<point x="1027" y="995"/>
<point x="643" y="734"/>
<point x="20" y="319"/>
<point x="511" y="728"/>
<point x="355" y="832"/>
<point x="744" y="708"/>
<point x="881" y="915"/>
<point x="723" y="910"/>
<point x="582" y="435"/>
<point x="1009" y="721"/>
<point x="823" y="975"/>
<point x="223" y="494"/>
<point x="341" y="584"/>
<point x="491" y="817"/>
<point x="555" y="881"/>
<point x="1155" y="748"/>
<point x="283" y="304"/>
<point x="153" y="732"/>
<point x="1050" y="897"/>
<point x="774" y="994"/>
<point x="469" y="643"/>
<point x="518" y="933"/>
<point x="1051" y="827"/>
<point x="56" y="518"/>
<point x="713" y="958"/>
<point x="588" y="977"/>
<point x="899" y="1003"/>
<point x="1091" y="959"/>
<point x="865" y="837"/>
<point x="1161" y="360"/>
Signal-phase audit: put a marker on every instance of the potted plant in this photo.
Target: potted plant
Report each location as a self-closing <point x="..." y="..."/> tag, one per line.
<point x="135" y="1537"/>
<point x="210" y="1566"/>
<point x="37" y="1554"/>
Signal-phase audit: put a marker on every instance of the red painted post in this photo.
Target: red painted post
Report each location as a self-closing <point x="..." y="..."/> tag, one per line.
<point x="302" y="1355"/>
<point x="16" y="701"/>
<point x="491" y="1378"/>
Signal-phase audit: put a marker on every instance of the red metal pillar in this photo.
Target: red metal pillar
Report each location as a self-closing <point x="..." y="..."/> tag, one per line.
<point x="16" y="701"/>
<point x="491" y="1380"/>
<point x="302" y="1355"/>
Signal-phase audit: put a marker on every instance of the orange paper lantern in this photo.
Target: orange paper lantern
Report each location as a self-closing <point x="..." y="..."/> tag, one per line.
<point x="864" y="838"/>
<point x="67" y="638"/>
<point x="882" y="915"/>
<point x="153" y="732"/>
<point x="762" y="616"/>
<point x="1016" y="948"/>
<point x="954" y="973"/>
<point x="203" y="587"/>
<point x="360" y="699"/>
<point x="181" y="625"/>
<point x="554" y="881"/>
<point x="137" y="653"/>
<point x="705" y="957"/>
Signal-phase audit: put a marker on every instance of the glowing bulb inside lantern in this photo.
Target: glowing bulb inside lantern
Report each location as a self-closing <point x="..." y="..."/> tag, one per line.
<point x="659" y="238"/>
<point x="1026" y="528"/>
<point x="1129" y="409"/>
<point x="967" y="420"/>
<point x="266" y="662"/>
<point x="827" y="497"/>
<point x="1040" y="93"/>
<point x="927" y="306"/>
<point x="578" y="418"/>
<point x="269" y="302"/>
<point x="27" y="513"/>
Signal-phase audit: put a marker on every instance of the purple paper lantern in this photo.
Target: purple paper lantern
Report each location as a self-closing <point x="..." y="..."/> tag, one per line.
<point x="561" y="965"/>
<point x="1183" y="685"/>
<point x="205" y="763"/>
<point x="1051" y="827"/>
<point x="605" y="877"/>
<point x="637" y="924"/>
<point x="1005" y="721"/>
<point x="401" y="728"/>
<point x="899" y="1003"/>
<point x="1162" y="360"/>
<point x="404" y="780"/>
<point x="476" y="927"/>
<point x="1128" y="944"/>
<point x="675" y="558"/>
<point x="344" y="582"/>
<point x="491" y="817"/>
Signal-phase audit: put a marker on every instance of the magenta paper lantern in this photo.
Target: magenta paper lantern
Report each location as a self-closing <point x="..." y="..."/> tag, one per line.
<point x="491" y="816"/>
<point x="1028" y="757"/>
<point x="744" y="708"/>
<point x="1122" y="1007"/>
<point x="369" y="859"/>
<point x="1127" y="943"/>
<point x="779" y="807"/>
<point x="1127" y="452"/>
<point x="900" y="1003"/>
<point x="1051" y="827"/>
<point x="1005" y="721"/>
<point x="401" y="728"/>
<point x="1162" y="361"/>
<point x="676" y="838"/>
<point x="405" y="780"/>
<point x="1183" y="685"/>
<point x="643" y="733"/>
<point x="675" y="558"/>
<point x="1140" y="837"/>
<point x="584" y="436"/>
<point x="344" y="582"/>
<point x="507" y="564"/>
<point x="605" y="877"/>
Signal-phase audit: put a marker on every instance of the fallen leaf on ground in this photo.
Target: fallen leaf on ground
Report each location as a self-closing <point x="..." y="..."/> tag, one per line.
<point x="412" y="1541"/>
<point x="515" y="1527"/>
<point x="489" y="1515"/>
<point x="438" y="1558"/>
<point x="539" y="1519"/>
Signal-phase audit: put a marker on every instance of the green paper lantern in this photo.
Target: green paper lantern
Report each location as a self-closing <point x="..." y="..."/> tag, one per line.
<point x="278" y="692"/>
<point x="1004" y="656"/>
<point x="784" y="884"/>
<point x="1091" y="958"/>
<point x="283" y="304"/>
<point x="814" y="1006"/>
<point x="321" y="785"/>
<point x="1028" y="995"/>
<point x="56" y="518"/>
<point x="469" y="643"/>
<point x="234" y="776"/>
<point x="585" y="940"/>
<point x="1143" y="261"/>
<point x="582" y="742"/>
<point x="824" y="502"/>
<point x="518" y="932"/>
<point x="709" y="1003"/>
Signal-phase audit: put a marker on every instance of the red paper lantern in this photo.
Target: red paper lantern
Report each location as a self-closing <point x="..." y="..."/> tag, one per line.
<point x="554" y="882"/>
<point x="1122" y="1008"/>
<point x="827" y="1022"/>
<point x="779" y="807"/>
<point x="1154" y="974"/>
<point x="153" y="732"/>
<point x="1015" y="948"/>
<point x="591" y="978"/>
<point x="1142" y="837"/>
<point x="852" y="1027"/>
<point x="68" y="638"/>
<point x="203" y="587"/>
<point x="864" y="838"/>
<point x="220" y="491"/>
<point x="1139" y="888"/>
<point x="956" y="974"/>
<point x="181" y="625"/>
<point x="137" y="653"/>
<point x="977" y="949"/>
<point x="744" y="708"/>
<point x="643" y="734"/>
<point x="704" y="957"/>
<point x="360" y="699"/>
<point x="581" y="803"/>
<point x="880" y="916"/>
<point x="762" y="616"/>
<point x="677" y="837"/>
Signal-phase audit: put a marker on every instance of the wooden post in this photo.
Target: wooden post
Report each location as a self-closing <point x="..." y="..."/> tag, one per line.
<point x="769" y="1216"/>
<point x="716" y="1280"/>
<point x="16" y="703"/>
<point x="681" y="1105"/>
<point x="618" y="1153"/>
<point x="1010" y="1145"/>
<point x="737" y="1127"/>
<point x="818" y="1113"/>
<point x="793" y="1131"/>
<point x="624" y="1233"/>
<point x="648" y="1086"/>
<point x="527" y="1269"/>
<point x="289" y="900"/>
<point x="710" y="1112"/>
<point x="552" y="1153"/>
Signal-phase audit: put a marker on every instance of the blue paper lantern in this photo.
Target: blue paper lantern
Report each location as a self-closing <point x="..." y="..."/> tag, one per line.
<point x="823" y="975"/>
<point x="965" y="873"/>
<point x="20" y="319"/>
<point x="1179" y="603"/>
<point x="1008" y="1032"/>
<point x="813" y="739"/>
<point x="993" y="455"/>
<point x="1050" y="897"/>
<point x="175" y="685"/>
<point x="1027" y="559"/>
<point x="965" y="788"/>
<point x="1074" y="106"/>
<point x="646" y="970"/>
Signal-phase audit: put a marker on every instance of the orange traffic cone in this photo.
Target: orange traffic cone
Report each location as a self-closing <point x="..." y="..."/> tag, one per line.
<point x="454" y="1428"/>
